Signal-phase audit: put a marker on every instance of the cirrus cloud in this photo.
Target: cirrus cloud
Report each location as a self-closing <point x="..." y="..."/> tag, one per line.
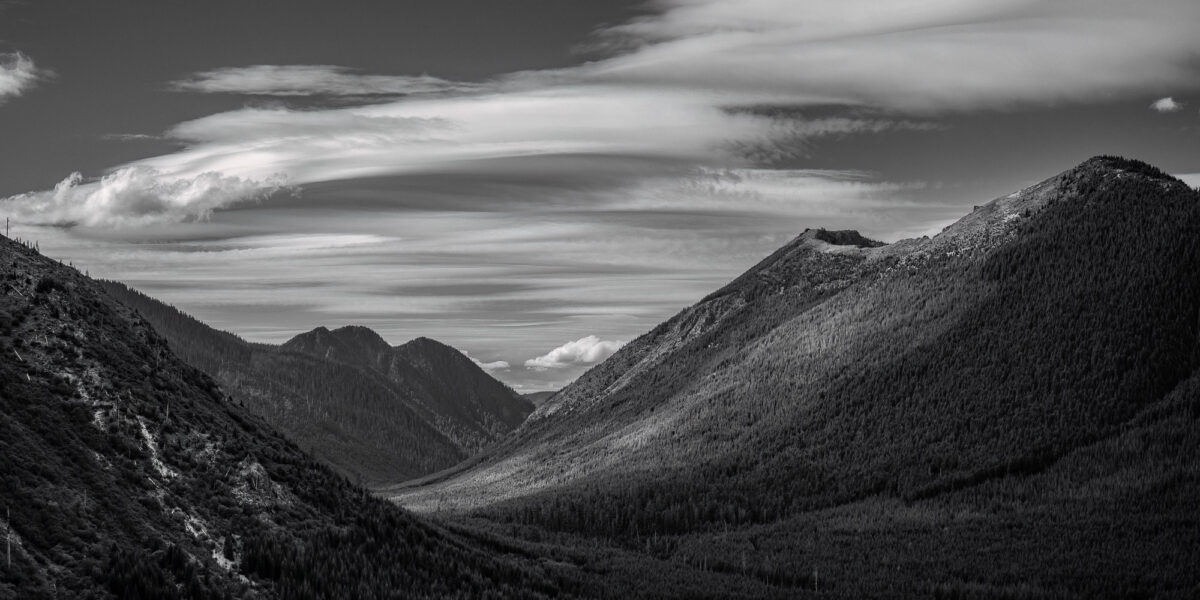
<point x="583" y="351"/>
<point x="312" y="80"/>
<point x="910" y="55"/>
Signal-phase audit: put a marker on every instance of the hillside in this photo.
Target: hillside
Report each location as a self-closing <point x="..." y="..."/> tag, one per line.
<point x="373" y="412"/>
<point x="129" y="474"/>
<point x="1007" y="369"/>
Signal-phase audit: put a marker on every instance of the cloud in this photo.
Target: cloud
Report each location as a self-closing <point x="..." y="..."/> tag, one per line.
<point x="692" y="86"/>
<point x="496" y="365"/>
<point x="677" y="88"/>
<point x="18" y="74"/>
<point x="910" y="55"/>
<point x="131" y="137"/>
<point x="1166" y="105"/>
<point x="135" y="196"/>
<point x="583" y="351"/>
<point x="503" y="135"/>
<point x="313" y="80"/>
<point x="462" y="134"/>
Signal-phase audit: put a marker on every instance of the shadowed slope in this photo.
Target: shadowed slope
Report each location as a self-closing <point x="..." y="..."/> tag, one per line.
<point x="128" y="474"/>
<point x="331" y="392"/>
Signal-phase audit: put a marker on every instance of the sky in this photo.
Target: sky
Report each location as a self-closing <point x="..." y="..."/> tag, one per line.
<point x="537" y="182"/>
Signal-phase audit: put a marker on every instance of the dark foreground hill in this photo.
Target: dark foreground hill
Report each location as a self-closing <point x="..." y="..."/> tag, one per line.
<point x="129" y="474"/>
<point x="1006" y="409"/>
<point x="373" y="412"/>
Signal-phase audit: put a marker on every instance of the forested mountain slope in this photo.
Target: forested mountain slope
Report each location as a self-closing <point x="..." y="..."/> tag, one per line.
<point x="462" y="401"/>
<point x="129" y="474"/>
<point x="840" y="369"/>
<point x="366" y="409"/>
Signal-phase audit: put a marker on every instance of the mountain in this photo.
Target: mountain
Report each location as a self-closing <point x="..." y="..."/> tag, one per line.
<point x="373" y="412"/>
<point x="462" y="401"/>
<point x="355" y="345"/>
<point x="127" y="473"/>
<point x="1020" y="386"/>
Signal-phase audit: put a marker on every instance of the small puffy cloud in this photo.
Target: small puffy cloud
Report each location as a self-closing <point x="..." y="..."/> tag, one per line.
<point x="496" y="365"/>
<point x="18" y="74"/>
<point x="135" y="196"/>
<point x="583" y="351"/>
<point x="313" y="80"/>
<point x="1166" y="105"/>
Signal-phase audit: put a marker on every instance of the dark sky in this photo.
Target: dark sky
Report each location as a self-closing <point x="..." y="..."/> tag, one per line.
<point x="112" y="60"/>
<point x="512" y="176"/>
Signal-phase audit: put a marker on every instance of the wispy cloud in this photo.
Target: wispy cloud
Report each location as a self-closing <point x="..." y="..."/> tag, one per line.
<point x="313" y="80"/>
<point x="131" y="137"/>
<point x="18" y="74"/>
<point x="687" y="87"/>
<point x="1166" y="105"/>
<point x="583" y="351"/>
<point x="912" y="55"/>
<point x="460" y="134"/>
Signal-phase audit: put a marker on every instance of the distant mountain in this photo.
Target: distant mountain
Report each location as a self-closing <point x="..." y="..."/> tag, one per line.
<point x="373" y="412"/>
<point x="465" y="403"/>
<point x="355" y="345"/>
<point x="128" y="474"/>
<point x="1034" y="363"/>
<point x="539" y="398"/>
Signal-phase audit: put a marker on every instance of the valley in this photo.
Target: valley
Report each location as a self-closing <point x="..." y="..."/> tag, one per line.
<point x="1007" y="409"/>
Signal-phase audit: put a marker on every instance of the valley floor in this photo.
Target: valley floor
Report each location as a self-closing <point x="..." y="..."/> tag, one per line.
<point x="1117" y="518"/>
<point x="960" y="547"/>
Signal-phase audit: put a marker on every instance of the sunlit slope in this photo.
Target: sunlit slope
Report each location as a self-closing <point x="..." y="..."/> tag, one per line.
<point x="837" y="370"/>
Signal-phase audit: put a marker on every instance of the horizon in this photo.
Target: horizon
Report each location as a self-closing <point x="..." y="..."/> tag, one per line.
<point x="535" y="184"/>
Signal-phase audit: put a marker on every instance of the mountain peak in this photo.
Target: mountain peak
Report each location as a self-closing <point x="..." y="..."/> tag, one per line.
<point x="1120" y="163"/>
<point x="352" y="344"/>
<point x="844" y="237"/>
<point x="425" y="344"/>
<point x="359" y="335"/>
